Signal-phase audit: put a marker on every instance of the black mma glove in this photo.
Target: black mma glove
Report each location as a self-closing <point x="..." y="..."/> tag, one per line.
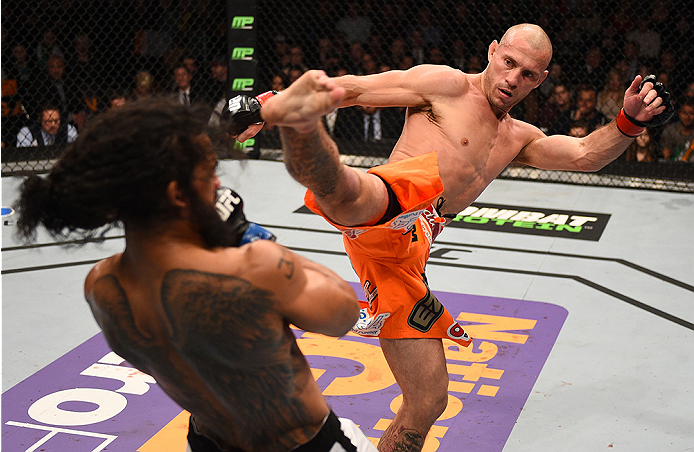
<point x="229" y="206"/>
<point x="664" y="94"/>
<point x="241" y="111"/>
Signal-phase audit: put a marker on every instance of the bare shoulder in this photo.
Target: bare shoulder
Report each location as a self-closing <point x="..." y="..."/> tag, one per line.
<point x="444" y="79"/>
<point x="269" y="264"/>
<point x="102" y="268"/>
<point x="525" y="132"/>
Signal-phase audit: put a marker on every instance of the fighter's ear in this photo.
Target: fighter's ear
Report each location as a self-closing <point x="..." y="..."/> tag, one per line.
<point x="542" y="78"/>
<point x="174" y="194"/>
<point x="492" y="49"/>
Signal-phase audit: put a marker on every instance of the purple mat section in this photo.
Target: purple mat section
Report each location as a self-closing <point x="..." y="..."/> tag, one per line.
<point x="88" y="400"/>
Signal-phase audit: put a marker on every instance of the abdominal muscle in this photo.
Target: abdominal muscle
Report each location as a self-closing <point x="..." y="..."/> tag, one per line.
<point x="472" y="150"/>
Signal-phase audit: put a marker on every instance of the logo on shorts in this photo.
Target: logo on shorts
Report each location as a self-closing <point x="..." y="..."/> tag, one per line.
<point x="405" y="220"/>
<point x="369" y="326"/>
<point x="353" y="233"/>
<point x="456" y="332"/>
<point x="425" y="313"/>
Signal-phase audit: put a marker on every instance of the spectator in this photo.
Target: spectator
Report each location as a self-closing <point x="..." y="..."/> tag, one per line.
<point x="369" y="124"/>
<point x="327" y="57"/>
<point x="611" y="97"/>
<point x="677" y="137"/>
<point x="46" y="48"/>
<point x="611" y="45"/>
<point x="416" y="43"/>
<point x="668" y="63"/>
<point x="281" y="57"/>
<point x="586" y="102"/>
<point x="54" y="87"/>
<point x="630" y="62"/>
<point x="579" y="128"/>
<point x="354" y="25"/>
<point x="375" y="46"/>
<point x="116" y="99"/>
<point x="475" y="64"/>
<point x="689" y="92"/>
<point x="18" y="66"/>
<point x="219" y="70"/>
<point x="354" y="60"/>
<point x="647" y="38"/>
<point x="144" y="85"/>
<point x="183" y="89"/>
<point x="296" y="59"/>
<point x="86" y="76"/>
<point x="554" y="78"/>
<point x="593" y="71"/>
<point x="294" y="73"/>
<point x="459" y="55"/>
<point x="48" y="131"/>
<point x="279" y="82"/>
<point x="368" y="64"/>
<point x="432" y="34"/>
<point x="406" y="62"/>
<point x="642" y="149"/>
<point x="435" y="56"/>
<point x="398" y="50"/>
<point x="554" y="108"/>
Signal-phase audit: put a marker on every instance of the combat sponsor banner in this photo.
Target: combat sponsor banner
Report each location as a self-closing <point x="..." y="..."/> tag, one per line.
<point x="91" y="400"/>
<point x="532" y="220"/>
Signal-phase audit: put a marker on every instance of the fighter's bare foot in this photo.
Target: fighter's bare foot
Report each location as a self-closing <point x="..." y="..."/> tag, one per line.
<point x="301" y="106"/>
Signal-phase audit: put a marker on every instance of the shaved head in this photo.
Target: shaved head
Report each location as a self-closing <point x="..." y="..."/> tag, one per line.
<point x="533" y="36"/>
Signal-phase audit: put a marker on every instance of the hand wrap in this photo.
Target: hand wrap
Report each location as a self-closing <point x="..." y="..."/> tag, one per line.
<point x="241" y="111"/>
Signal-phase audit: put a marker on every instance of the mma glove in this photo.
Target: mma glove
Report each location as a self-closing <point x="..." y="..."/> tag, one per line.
<point x="241" y="111"/>
<point x="229" y="206"/>
<point x="632" y="127"/>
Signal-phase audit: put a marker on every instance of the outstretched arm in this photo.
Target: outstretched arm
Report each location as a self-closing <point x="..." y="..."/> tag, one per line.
<point x="593" y="152"/>
<point x="415" y="86"/>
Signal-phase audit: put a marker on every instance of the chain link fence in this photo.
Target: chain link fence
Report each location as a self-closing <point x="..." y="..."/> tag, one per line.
<point x="82" y="57"/>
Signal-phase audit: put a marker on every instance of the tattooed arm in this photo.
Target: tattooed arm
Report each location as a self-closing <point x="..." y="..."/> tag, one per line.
<point x="309" y="295"/>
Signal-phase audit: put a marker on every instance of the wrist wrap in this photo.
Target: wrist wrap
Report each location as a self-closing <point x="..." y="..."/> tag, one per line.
<point x="626" y="126"/>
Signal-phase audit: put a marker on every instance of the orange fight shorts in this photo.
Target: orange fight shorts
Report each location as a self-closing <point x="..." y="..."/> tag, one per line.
<point x="390" y="258"/>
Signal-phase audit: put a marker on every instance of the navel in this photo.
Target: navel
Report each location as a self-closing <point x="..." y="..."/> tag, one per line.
<point x="464" y="141"/>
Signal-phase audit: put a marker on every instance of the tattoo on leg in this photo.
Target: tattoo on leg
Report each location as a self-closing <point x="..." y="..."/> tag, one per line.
<point x="312" y="161"/>
<point x="401" y="439"/>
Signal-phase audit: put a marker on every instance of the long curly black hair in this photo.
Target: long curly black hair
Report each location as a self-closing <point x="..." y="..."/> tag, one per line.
<point x="116" y="172"/>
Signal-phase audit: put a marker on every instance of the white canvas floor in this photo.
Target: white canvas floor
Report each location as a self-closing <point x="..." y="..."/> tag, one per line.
<point x="619" y="375"/>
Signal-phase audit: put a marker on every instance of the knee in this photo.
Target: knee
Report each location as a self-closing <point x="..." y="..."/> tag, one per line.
<point x="432" y="402"/>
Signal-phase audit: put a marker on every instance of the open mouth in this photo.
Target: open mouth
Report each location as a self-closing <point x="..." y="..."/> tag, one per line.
<point x="505" y="92"/>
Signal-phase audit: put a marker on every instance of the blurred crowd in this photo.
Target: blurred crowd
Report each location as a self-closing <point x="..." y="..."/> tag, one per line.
<point x="64" y="62"/>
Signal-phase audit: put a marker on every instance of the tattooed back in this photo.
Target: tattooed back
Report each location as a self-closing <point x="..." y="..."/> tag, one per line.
<point x="209" y="326"/>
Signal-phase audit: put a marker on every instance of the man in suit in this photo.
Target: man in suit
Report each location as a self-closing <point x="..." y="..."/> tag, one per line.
<point x="369" y="124"/>
<point x="183" y="86"/>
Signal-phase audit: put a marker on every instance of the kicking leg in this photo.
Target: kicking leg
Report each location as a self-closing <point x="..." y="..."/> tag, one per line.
<point x="419" y="367"/>
<point x="348" y="196"/>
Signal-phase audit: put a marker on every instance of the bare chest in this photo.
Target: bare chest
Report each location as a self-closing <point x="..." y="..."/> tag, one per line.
<point x="473" y="148"/>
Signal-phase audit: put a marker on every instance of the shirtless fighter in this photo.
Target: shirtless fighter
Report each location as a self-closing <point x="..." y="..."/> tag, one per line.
<point x="197" y="299"/>
<point x="457" y="137"/>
